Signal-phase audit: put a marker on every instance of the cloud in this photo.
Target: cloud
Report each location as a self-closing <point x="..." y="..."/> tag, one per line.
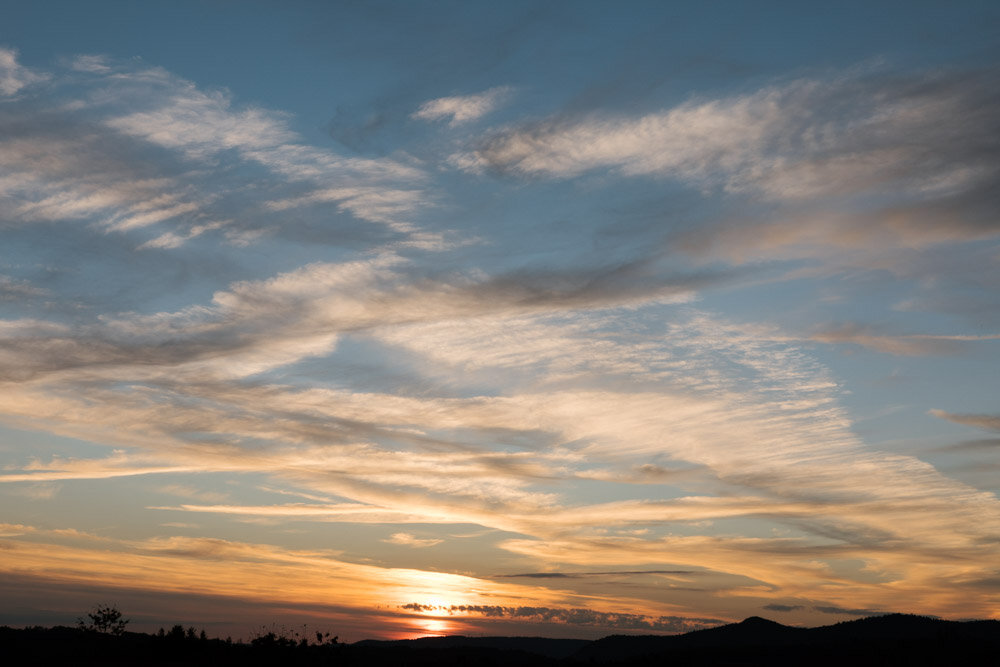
<point x="13" y="76"/>
<point x="575" y="575"/>
<point x="814" y="474"/>
<point x="576" y="616"/>
<point x="797" y="140"/>
<point x="12" y="289"/>
<point x="14" y="529"/>
<point x="203" y="125"/>
<point x="905" y="345"/>
<point x="57" y="170"/>
<point x="185" y="491"/>
<point x="985" y="422"/>
<point x="95" y="64"/>
<point x="463" y="108"/>
<point x="342" y="512"/>
<point x="409" y="540"/>
<point x="848" y="612"/>
<point x="258" y="325"/>
<point x="40" y="491"/>
<point x="138" y="151"/>
<point x="983" y="445"/>
<point x="229" y="568"/>
<point x="782" y="607"/>
<point x="826" y="169"/>
<point x="192" y="567"/>
<point x="431" y="458"/>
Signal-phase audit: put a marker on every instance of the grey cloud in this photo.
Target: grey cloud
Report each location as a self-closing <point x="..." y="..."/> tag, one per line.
<point x="855" y="170"/>
<point x="984" y="583"/>
<point x="641" y="278"/>
<point x="848" y="612"/>
<point x="890" y="344"/>
<point x="803" y="139"/>
<point x="12" y="289"/>
<point x="155" y="158"/>
<point x="304" y="311"/>
<point x="13" y="76"/>
<point x="985" y="422"/>
<point x="579" y="575"/>
<point x="982" y="445"/>
<point x="577" y="616"/>
<point x="782" y="607"/>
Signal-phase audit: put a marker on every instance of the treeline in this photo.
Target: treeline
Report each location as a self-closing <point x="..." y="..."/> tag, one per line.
<point x="895" y="639"/>
<point x="178" y="646"/>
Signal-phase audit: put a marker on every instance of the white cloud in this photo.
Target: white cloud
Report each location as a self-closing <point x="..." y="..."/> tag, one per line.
<point x="89" y="161"/>
<point x="13" y="76"/>
<point x="795" y="141"/>
<point x="463" y="108"/>
<point x="409" y="540"/>
<point x="91" y="63"/>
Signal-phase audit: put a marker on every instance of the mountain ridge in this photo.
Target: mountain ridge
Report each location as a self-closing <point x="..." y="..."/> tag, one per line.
<point x="892" y="639"/>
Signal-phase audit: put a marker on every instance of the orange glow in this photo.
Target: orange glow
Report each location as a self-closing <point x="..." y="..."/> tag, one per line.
<point x="432" y="627"/>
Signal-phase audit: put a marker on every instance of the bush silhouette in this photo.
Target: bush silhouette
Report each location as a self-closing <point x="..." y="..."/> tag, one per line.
<point x="105" y="619"/>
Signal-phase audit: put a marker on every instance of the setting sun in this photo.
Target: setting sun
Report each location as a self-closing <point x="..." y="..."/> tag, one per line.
<point x="434" y="627"/>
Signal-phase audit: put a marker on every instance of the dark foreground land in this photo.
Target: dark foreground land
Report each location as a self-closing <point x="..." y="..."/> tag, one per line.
<point x="896" y="639"/>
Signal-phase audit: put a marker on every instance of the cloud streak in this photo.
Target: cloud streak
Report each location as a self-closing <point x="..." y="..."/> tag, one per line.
<point x="139" y="151"/>
<point x="462" y="108"/>
<point x="617" y="621"/>
<point x="985" y="422"/>
<point x="13" y="76"/>
<point x="803" y="139"/>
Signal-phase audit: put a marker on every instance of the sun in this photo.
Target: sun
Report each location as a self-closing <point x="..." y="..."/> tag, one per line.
<point x="437" y="627"/>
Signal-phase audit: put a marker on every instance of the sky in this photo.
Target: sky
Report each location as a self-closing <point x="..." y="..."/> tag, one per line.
<point x="562" y="319"/>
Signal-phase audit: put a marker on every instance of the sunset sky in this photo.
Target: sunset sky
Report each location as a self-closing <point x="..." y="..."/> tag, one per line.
<point x="511" y="318"/>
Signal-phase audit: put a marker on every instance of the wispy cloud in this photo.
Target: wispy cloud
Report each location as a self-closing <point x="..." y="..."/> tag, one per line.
<point x="14" y="76"/>
<point x="89" y="159"/>
<point x="803" y="139"/>
<point x="410" y="540"/>
<point x="246" y="571"/>
<point x="463" y="108"/>
<point x="604" y="619"/>
<point x="905" y="345"/>
<point x="400" y="458"/>
<point x="825" y="609"/>
<point x="985" y="422"/>
<point x="826" y="168"/>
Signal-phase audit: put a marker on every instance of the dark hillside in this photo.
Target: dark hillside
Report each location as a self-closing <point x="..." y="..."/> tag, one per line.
<point x="897" y="639"/>
<point x="550" y="648"/>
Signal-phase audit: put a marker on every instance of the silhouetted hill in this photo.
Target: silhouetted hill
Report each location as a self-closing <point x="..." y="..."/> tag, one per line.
<point x="896" y="639"/>
<point x="752" y="632"/>
<point x="550" y="648"/>
<point x="909" y="627"/>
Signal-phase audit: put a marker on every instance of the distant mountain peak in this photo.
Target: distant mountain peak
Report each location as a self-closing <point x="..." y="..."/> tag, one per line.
<point x="759" y="621"/>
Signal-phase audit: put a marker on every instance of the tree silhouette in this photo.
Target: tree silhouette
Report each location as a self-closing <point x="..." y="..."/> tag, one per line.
<point x="105" y="619"/>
